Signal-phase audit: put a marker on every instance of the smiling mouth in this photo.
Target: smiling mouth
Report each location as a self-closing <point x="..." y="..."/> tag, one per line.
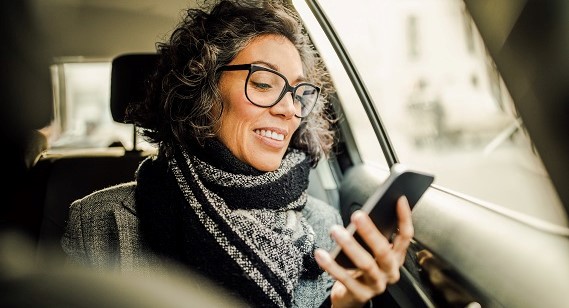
<point x="270" y="134"/>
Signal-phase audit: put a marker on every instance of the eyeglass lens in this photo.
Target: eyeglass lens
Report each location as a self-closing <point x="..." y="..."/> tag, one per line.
<point x="265" y="88"/>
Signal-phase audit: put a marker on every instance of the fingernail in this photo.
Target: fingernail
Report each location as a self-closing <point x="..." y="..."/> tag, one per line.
<point x="321" y="255"/>
<point x="338" y="232"/>
<point x="357" y="216"/>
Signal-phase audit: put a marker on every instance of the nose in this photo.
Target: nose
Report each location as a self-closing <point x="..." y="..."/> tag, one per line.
<point x="285" y="107"/>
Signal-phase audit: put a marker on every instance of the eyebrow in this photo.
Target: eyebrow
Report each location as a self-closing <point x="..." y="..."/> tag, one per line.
<point x="276" y="68"/>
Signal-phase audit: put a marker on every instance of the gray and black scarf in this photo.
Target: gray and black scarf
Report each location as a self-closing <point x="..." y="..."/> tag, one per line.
<point x="230" y="222"/>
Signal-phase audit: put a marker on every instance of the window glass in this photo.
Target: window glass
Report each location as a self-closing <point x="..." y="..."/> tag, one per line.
<point x="442" y="100"/>
<point x="354" y="113"/>
<point x="82" y="117"/>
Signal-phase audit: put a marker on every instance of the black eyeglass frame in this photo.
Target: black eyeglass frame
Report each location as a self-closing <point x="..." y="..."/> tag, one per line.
<point x="287" y="88"/>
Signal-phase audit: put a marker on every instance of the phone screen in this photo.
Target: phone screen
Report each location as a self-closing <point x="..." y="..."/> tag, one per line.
<point x="381" y="205"/>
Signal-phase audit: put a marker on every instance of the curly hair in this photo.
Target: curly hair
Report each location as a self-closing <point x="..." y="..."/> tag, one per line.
<point x="183" y="102"/>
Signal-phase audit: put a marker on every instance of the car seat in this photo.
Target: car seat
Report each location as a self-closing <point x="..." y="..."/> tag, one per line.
<point x="57" y="180"/>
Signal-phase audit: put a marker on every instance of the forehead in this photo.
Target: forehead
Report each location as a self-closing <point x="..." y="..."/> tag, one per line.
<point x="274" y="50"/>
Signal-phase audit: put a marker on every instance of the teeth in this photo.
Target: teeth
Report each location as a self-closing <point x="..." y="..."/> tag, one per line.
<point x="270" y="134"/>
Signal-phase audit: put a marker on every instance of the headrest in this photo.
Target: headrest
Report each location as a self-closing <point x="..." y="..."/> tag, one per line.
<point x="128" y="75"/>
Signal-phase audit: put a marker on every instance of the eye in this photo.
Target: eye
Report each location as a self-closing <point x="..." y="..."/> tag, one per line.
<point x="261" y="85"/>
<point x="264" y="81"/>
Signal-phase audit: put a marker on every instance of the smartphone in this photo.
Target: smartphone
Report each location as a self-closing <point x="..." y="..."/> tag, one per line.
<point x="381" y="205"/>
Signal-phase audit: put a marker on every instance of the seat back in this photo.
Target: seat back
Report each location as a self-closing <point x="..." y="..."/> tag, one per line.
<point x="58" y="180"/>
<point x="129" y="74"/>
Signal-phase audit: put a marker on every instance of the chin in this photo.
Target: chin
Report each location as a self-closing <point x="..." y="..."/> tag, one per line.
<point x="267" y="163"/>
<point x="266" y="160"/>
<point x="267" y="167"/>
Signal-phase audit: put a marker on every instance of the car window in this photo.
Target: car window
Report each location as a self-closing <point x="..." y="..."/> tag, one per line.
<point x="441" y="99"/>
<point x="82" y="114"/>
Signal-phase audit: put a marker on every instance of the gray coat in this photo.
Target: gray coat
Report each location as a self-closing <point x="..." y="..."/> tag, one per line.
<point x="103" y="232"/>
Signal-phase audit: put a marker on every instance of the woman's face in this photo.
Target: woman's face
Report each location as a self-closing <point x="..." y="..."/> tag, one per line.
<point x="255" y="135"/>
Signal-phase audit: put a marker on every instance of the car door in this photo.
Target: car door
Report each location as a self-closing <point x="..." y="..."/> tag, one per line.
<point x="416" y="85"/>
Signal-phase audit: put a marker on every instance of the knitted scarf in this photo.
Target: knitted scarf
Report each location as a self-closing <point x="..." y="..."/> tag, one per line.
<point x="230" y="222"/>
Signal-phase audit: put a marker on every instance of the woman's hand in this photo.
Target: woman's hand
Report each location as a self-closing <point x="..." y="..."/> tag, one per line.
<point x="355" y="287"/>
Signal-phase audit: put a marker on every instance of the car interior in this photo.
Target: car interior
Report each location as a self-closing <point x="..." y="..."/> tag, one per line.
<point x="466" y="252"/>
<point x="59" y="179"/>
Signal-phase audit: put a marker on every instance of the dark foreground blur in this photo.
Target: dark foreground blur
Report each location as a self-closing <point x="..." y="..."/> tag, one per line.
<point x="25" y="282"/>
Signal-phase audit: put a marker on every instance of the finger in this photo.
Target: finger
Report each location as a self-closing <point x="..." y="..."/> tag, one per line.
<point x="378" y="244"/>
<point x="328" y="264"/>
<point x="359" y="256"/>
<point x="359" y="290"/>
<point x="405" y="224"/>
<point x="385" y="265"/>
<point x="373" y="277"/>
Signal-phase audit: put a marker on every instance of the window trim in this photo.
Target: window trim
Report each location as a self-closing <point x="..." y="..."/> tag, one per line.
<point x="357" y="82"/>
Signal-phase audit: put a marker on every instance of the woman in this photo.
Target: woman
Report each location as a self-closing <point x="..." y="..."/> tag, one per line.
<point x="237" y="110"/>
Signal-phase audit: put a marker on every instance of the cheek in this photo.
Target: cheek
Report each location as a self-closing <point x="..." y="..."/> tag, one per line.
<point x="236" y="107"/>
<point x="229" y="96"/>
<point x="237" y="116"/>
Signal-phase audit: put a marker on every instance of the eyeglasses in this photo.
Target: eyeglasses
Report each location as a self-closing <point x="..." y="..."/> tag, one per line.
<point x="265" y="87"/>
